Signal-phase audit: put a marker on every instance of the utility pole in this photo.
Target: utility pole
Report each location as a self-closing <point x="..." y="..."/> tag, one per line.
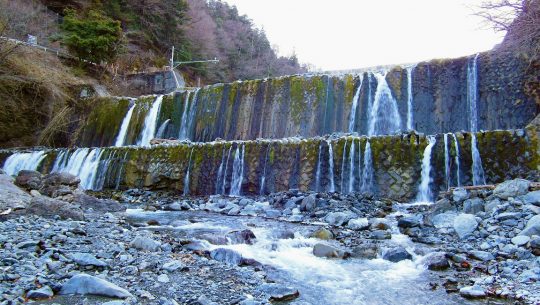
<point x="175" y="64"/>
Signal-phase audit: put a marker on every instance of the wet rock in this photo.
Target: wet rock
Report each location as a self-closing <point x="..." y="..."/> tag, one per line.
<point x="241" y="237"/>
<point x="145" y="244"/>
<point x="286" y="234"/>
<point x="227" y="256"/>
<point x="44" y="292"/>
<point x="410" y="221"/>
<point x="339" y="218"/>
<point x="322" y="250"/>
<point x="380" y="234"/>
<point x="533" y="227"/>
<point x="532" y="198"/>
<point x="459" y="194"/>
<point x="215" y="239"/>
<point x="358" y="224"/>
<point x="323" y="234"/>
<point x="29" y="180"/>
<point x="473" y="206"/>
<point x="511" y="188"/>
<point x="279" y="293"/>
<point x="464" y="225"/>
<point x="365" y="251"/>
<point x="472" y="292"/>
<point x="49" y="207"/>
<point x="435" y="261"/>
<point x="86" y="284"/>
<point x="86" y="259"/>
<point x="396" y="254"/>
<point x="12" y="197"/>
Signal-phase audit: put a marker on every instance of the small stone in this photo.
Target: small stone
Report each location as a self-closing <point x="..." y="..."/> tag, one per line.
<point x="380" y="234"/>
<point x="227" y="256"/>
<point x="163" y="278"/>
<point x="322" y="250"/>
<point x="520" y="240"/>
<point x="396" y="254"/>
<point x="86" y="259"/>
<point x="436" y="261"/>
<point x="358" y="224"/>
<point x="472" y="292"/>
<point x="482" y="255"/>
<point x="145" y="244"/>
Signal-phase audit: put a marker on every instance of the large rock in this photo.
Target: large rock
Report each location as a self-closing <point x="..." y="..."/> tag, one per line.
<point x="86" y="284"/>
<point x="358" y="224"/>
<point x="444" y="220"/>
<point x="323" y="234"/>
<point x="322" y="250"/>
<point x="241" y="237"/>
<point x="12" y="197"/>
<point x="145" y="244"/>
<point x="61" y="179"/>
<point x="464" y="225"/>
<point x="459" y="194"/>
<point x="512" y="188"/>
<point x="98" y="205"/>
<point x="473" y="206"/>
<point x="49" y="207"/>
<point x="532" y="198"/>
<point x="227" y="256"/>
<point x="533" y="227"/>
<point x="44" y="292"/>
<point x="396" y="254"/>
<point x="29" y="180"/>
<point x="309" y="203"/>
<point x="435" y="261"/>
<point x="410" y="221"/>
<point x="365" y="251"/>
<point x="339" y="218"/>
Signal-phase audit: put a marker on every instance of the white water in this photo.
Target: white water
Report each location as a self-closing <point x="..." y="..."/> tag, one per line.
<point x="192" y="113"/>
<point x="343" y="167"/>
<point x="359" y="166"/>
<point x="331" y="168"/>
<point x="186" y="178"/>
<point x="472" y="93"/>
<point x="318" y="172"/>
<point x="263" y="179"/>
<point x="356" y="97"/>
<point x="446" y="162"/>
<point x="122" y="134"/>
<point x="367" y="175"/>
<point x="409" y="98"/>
<point x="384" y="117"/>
<point x="161" y="131"/>
<point x="351" y="169"/>
<point x="456" y="158"/>
<point x="150" y="122"/>
<point x="220" y="173"/>
<point x="224" y="180"/>
<point x="238" y="171"/>
<point x="83" y="163"/>
<point x="477" y="168"/>
<point x="424" y="190"/>
<point x="23" y="161"/>
<point x="184" y="121"/>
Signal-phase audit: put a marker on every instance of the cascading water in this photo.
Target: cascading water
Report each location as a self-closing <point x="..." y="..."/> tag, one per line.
<point x="424" y="190"/>
<point x="331" y="168"/>
<point x="456" y="158"/>
<point x="150" y="122"/>
<point x="409" y="98"/>
<point x="384" y="117"/>
<point x="188" y="170"/>
<point x="351" y="169"/>
<point x="367" y="175"/>
<point x="263" y="178"/>
<point x="472" y="92"/>
<point x="23" y="161"/>
<point x="343" y="167"/>
<point x="82" y="162"/>
<point x="359" y="166"/>
<point x="192" y="114"/>
<point x="477" y="168"/>
<point x="122" y="134"/>
<point x="446" y="162"/>
<point x="219" y="177"/>
<point x="238" y="171"/>
<point x="161" y="131"/>
<point x="352" y="118"/>
<point x="224" y="180"/>
<point x="318" y="172"/>
<point x="184" y="121"/>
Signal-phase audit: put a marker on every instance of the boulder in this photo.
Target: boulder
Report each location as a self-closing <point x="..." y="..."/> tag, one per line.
<point x="12" y="197"/>
<point x="473" y="206"/>
<point x="323" y="234"/>
<point x="464" y="225"/>
<point x="309" y="203"/>
<point x="512" y="188"/>
<point x="396" y="254"/>
<point x="49" y="207"/>
<point x="533" y="227"/>
<point x="532" y="198"/>
<point x="459" y="194"/>
<point x="444" y="220"/>
<point x="358" y="224"/>
<point x="61" y="179"/>
<point x="241" y="237"/>
<point x="29" y="180"/>
<point x="322" y="250"/>
<point x="44" y="292"/>
<point x="380" y="234"/>
<point x="98" y="205"/>
<point x="227" y="256"/>
<point x="339" y="218"/>
<point x="435" y="261"/>
<point x="145" y="244"/>
<point x="86" y="284"/>
<point x="365" y="251"/>
<point x="410" y="221"/>
<point x="520" y="240"/>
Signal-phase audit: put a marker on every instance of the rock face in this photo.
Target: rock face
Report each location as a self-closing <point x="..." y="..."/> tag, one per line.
<point x="12" y="197"/>
<point x="87" y="284"/>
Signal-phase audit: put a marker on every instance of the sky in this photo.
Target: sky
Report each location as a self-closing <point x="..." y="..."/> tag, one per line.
<point x="349" y="34"/>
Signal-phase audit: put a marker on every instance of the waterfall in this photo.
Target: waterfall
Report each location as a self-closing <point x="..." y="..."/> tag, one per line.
<point x="103" y="168"/>
<point x="186" y="178"/>
<point x="263" y="179"/>
<point x="224" y="180"/>
<point x="351" y="169"/>
<point x="342" y="184"/>
<point x="192" y="114"/>
<point x="184" y="120"/>
<point x="424" y="191"/>
<point x="23" y="161"/>
<point x="318" y="173"/>
<point x="85" y="164"/>
<point x="122" y="134"/>
<point x="367" y="175"/>
<point x="162" y="128"/>
<point x="477" y="168"/>
<point x="446" y="162"/>
<point x="326" y="103"/>
<point x="356" y="97"/>
<point x="60" y="161"/>
<point x="472" y="92"/>
<point x="458" y="169"/>
<point x="150" y="122"/>
<point x="359" y="166"/>
<point x="409" y="98"/>
<point x="238" y="171"/>
<point x="384" y="116"/>
<point x="220" y="173"/>
<point x="120" y="169"/>
<point x="331" y="167"/>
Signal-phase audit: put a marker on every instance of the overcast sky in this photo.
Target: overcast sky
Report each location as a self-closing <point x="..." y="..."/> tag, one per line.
<point x="346" y="34"/>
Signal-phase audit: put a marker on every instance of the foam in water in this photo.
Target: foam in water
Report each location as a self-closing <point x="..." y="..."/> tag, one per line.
<point x="263" y="178"/>
<point x="367" y="175"/>
<point x="150" y="122"/>
<point x="409" y="98"/>
<point x="238" y="171"/>
<point x="186" y="178"/>
<point x="446" y="162"/>
<point x="384" y="117"/>
<point x="122" y="134"/>
<point x="424" y="190"/>
<point x="23" y="161"/>
<point x="477" y="168"/>
<point x="331" y="168"/>
<point x="351" y="169"/>
<point x="184" y="121"/>
<point x="343" y="167"/>
<point x="472" y="92"/>
<point x="458" y="167"/>
<point x="356" y="97"/>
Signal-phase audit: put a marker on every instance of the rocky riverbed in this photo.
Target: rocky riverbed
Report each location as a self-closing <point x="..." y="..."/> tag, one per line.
<point x="62" y="246"/>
